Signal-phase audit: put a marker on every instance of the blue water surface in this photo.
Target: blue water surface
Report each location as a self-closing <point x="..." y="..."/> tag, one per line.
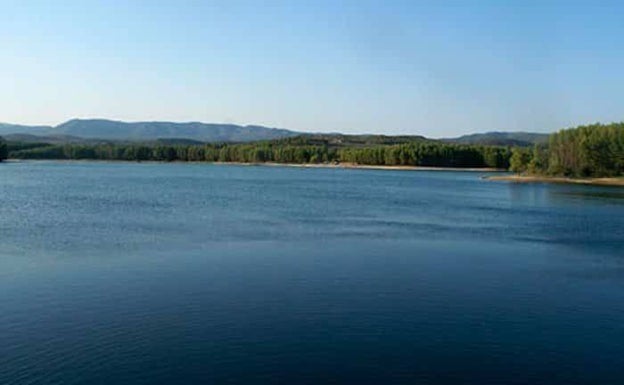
<point x="126" y="273"/>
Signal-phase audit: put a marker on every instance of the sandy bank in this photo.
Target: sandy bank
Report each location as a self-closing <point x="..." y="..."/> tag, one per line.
<point x="547" y="179"/>
<point x="272" y="164"/>
<point x="364" y="167"/>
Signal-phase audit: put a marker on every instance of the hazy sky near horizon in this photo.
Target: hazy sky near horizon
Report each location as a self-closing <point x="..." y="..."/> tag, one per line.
<point x="436" y="68"/>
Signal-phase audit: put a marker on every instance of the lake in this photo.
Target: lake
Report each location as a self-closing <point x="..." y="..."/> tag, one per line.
<point x="196" y="273"/>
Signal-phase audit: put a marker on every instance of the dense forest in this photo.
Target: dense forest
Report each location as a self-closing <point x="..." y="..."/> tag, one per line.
<point x="4" y="151"/>
<point x="586" y="151"/>
<point x="365" y="150"/>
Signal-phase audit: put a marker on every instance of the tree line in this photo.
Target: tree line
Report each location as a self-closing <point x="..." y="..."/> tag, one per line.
<point x="292" y="150"/>
<point x="586" y="151"/>
<point x="595" y="150"/>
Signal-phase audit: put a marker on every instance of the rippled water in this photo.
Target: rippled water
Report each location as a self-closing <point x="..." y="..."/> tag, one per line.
<point x="194" y="273"/>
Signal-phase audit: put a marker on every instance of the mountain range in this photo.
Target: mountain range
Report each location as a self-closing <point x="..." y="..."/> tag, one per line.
<point x="103" y="129"/>
<point x="93" y="130"/>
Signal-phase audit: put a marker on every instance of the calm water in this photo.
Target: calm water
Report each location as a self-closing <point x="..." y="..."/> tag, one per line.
<point x="191" y="273"/>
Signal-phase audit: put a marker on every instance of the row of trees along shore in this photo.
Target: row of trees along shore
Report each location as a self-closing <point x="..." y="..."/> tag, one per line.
<point x="586" y="151"/>
<point x="299" y="150"/>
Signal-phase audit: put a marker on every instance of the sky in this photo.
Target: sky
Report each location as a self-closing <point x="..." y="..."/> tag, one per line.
<point x="434" y="68"/>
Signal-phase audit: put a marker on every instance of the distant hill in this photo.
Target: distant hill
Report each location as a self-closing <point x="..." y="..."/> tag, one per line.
<point x="102" y="130"/>
<point x="524" y="139"/>
<point x="146" y="131"/>
<point x="54" y="139"/>
<point x="7" y="129"/>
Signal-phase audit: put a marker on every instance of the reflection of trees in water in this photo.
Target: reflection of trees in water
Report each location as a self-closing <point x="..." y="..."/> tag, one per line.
<point x="566" y="215"/>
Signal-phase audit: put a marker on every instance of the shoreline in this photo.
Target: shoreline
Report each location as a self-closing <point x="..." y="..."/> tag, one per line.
<point x="362" y="166"/>
<point x="613" y="181"/>
<point x="354" y="166"/>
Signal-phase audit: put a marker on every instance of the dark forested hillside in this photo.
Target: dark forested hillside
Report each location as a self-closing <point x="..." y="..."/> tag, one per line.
<point x="586" y="151"/>
<point x="4" y="151"/>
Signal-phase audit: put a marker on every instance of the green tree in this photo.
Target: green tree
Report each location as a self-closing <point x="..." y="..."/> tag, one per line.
<point x="539" y="160"/>
<point x="520" y="159"/>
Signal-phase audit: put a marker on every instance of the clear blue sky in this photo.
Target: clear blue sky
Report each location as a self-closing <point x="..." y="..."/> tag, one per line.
<point x="396" y="67"/>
